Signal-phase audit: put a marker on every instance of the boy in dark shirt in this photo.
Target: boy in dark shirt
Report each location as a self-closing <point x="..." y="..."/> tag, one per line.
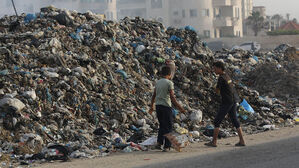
<point x="228" y="104"/>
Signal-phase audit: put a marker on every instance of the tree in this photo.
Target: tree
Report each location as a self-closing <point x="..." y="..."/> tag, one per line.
<point x="256" y="21"/>
<point x="295" y="20"/>
<point x="277" y="18"/>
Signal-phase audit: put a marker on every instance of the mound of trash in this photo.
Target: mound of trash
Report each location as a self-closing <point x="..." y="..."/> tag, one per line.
<point x="76" y="85"/>
<point x="270" y="79"/>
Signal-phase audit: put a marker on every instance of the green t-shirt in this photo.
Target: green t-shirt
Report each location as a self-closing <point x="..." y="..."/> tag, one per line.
<point x="163" y="86"/>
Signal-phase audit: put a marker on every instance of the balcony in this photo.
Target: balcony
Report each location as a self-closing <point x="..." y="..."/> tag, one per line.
<point x="222" y="3"/>
<point x="223" y="22"/>
<point x="236" y="2"/>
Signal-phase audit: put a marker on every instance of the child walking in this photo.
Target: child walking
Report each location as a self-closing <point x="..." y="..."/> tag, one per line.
<point x="164" y="97"/>
<point x="228" y="104"/>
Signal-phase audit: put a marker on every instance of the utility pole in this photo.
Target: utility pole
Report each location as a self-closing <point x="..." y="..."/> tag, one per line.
<point x="13" y="4"/>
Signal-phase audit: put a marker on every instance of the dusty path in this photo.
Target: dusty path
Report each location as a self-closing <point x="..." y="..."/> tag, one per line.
<point x="276" y="154"/>
<point x="141" y="159"/>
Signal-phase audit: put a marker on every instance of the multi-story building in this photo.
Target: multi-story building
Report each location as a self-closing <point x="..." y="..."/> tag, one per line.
<point x="228" y="18"/>
<point x="211" y="18"/>
<point x="247" y="6"/>
<point x="107" y="7"/>
<point x="198" y="14"/>
<point x="261" y="10"/>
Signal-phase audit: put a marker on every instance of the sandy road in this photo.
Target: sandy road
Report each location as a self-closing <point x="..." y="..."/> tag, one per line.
<point x="148" y="158"/>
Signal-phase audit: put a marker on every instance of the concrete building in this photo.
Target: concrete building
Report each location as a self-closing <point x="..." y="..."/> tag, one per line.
<point x="261" y="10"/>
<point x="247" y="6"/>
<point x="198" y="14"/>
<point x="211" y="18"/>
<point x="148" y="9"/>
<point x="175" y="13"/>
<point x="107" y="7"/>
<point x="228" y="18"/>
<point x="131" y="8"/>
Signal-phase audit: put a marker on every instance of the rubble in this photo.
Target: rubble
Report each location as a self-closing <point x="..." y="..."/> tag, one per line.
<point x="73" y="84"/>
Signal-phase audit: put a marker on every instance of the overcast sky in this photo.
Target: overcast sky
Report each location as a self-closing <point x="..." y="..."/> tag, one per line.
<point x="280" y="6"/>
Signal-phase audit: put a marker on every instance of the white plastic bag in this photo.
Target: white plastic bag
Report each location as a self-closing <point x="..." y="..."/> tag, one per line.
<point x="16" y="104"/>
<point x="196" y="116"/>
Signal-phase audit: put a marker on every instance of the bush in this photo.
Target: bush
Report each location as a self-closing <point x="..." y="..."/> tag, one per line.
<point x="283" y="32"/>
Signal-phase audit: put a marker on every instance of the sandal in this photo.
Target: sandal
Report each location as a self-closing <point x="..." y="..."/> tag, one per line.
<point x="239" y="144"/>
<point x="210" y="144"/>
<point x="159" y="147"/>
<point x="166" y="149"/>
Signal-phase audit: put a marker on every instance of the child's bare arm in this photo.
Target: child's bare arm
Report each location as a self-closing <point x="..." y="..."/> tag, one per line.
<point x="152" y="102"/>
<point x="173" y="100"/>
<point x="217" y="90"/>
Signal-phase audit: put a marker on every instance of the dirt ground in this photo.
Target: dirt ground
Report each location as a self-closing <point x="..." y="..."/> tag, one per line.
<point x="137" y="159"/>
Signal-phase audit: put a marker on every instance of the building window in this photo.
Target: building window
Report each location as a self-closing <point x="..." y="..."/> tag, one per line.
<point x="177" y="21"/>
<point x="206" y="33"/>
<point x="183" y="13"/>
<point x="214" y="12"/>
<point x="176" y="13"/>
<point x="156" y="4"/>
<point x="206" y="12"/>
<point x="193" y="12"/>
<point x="237" y="12"/>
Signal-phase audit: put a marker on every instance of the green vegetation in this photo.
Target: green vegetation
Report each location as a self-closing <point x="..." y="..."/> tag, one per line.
<point x="283" y="32"/>
<point x="256" y="21"/>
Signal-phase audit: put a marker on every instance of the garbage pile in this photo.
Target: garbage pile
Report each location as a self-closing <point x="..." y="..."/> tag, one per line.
<point x="75" y="85"/>
<point x="268" y="80"/>
<point x="271" y="74"/>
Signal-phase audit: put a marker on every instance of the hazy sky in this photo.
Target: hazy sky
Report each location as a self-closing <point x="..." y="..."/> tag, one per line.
<point x="272" y="7"/>
<point x="280" y="6"/>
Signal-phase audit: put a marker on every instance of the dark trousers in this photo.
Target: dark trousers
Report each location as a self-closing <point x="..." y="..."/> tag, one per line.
<point x="165" y="118"/>
<point x="231" y="109"/>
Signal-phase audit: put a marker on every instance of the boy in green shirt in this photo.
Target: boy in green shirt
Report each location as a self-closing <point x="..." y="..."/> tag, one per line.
<point x="163" y="97"/>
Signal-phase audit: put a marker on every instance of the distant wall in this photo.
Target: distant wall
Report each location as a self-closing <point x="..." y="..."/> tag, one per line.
<point x="267" y="42"/>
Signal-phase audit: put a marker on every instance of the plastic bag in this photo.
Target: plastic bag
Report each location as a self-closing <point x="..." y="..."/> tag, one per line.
<point x="177" y="141"/>
<point x="196" y="116"/>
<point x="140" y="48"/>
<point x="29" y="17"/>
<point x="246" y="106"/>
<point x="150" y="141"/>
<point x="16" y="104"/>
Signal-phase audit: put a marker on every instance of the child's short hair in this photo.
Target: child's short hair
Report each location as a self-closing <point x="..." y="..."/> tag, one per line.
<point x="219" y="64"/>
<point x="165" y="71"/>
